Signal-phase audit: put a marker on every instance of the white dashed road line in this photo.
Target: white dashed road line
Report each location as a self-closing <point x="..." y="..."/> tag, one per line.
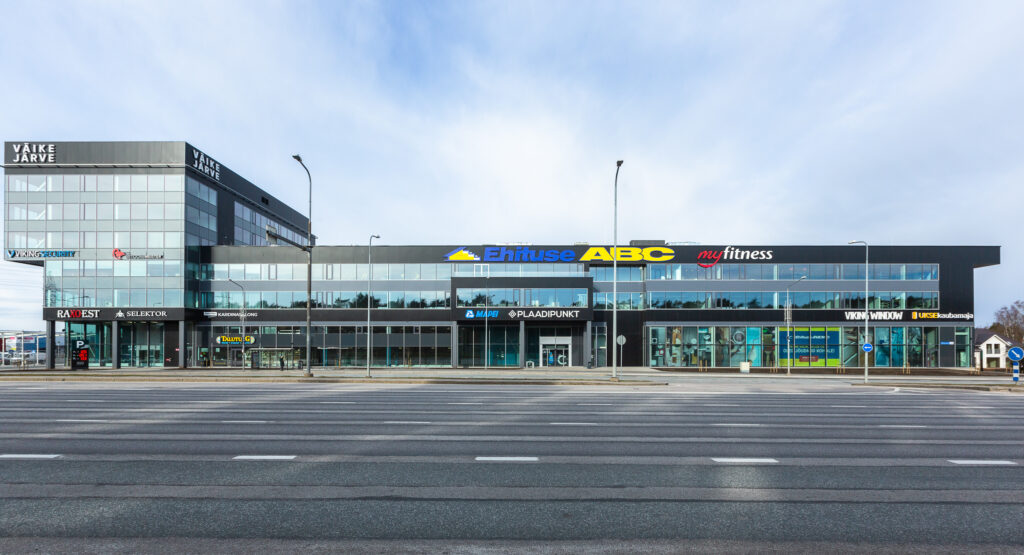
<point x="982" y="462"/>
<point x="264" y="457"/>
<point x="507" y="459"/>
<point x="28" y="456"/>
<point x="737" y="460"/>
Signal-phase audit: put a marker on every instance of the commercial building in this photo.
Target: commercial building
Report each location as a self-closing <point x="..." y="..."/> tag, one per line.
<point x="154" y="251"/>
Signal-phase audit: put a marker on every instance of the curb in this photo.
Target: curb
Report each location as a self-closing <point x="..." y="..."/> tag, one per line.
<point x="971" y="387"/>
<point x="314" y="379"/>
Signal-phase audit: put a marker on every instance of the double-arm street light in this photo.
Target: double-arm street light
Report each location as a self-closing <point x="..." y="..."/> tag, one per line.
<point x="614" y="340"/>
<point x="788" y="327"/>
<point x="369" y="278"/>
<point x="242" y="318"/>
<point x="867" y="270"/>
<point x="273" y="237"/>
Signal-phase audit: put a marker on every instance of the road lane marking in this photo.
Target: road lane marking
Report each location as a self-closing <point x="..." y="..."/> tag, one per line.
<point x="719" y="405"/>
<point x="244" y="421"/>
<point x="30" y="388"/>
<point x="902" y="426"/>
<point x="86" y="400"/>
<point x="405" y="422"/>
<point x="738" y="424"/>
<point x="739" y="460"/>
<point x="507" y="459"/>
<point x="465" y="403"/>
<point x="574" y="424"/>
<point x="78" y="420"/>
<point x="982" y="462"/>
<point x="27" y="456"/>
<point x="264" y="457"/>
<point x="595" y="404"/>
<point x="337" y="402"/>
<point x="849" y="406"/>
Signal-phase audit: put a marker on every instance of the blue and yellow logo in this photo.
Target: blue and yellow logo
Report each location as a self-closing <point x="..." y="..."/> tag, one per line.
<point x="461" y="254"/>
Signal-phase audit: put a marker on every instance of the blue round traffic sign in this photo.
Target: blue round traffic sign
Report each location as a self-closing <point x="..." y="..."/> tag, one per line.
<point x="1015" y="353"/>
<point x="867" y="347"/>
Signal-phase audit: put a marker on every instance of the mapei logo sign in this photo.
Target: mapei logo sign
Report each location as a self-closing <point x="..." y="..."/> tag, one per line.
<point x="482" y="313"/>
<point x="527" y="254"/>
<point x="708" y="258"/>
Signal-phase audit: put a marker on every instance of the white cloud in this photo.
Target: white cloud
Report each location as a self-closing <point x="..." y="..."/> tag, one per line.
<point x="461" y="123"/>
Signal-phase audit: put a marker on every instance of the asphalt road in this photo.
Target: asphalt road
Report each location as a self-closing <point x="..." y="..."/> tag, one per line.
<point x="712" y="465"/>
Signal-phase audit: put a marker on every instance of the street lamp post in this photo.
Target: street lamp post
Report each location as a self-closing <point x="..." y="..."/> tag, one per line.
<point x="789" y="327"/>
<point x="309" y="267"/>
<point x="242" y="318"/>
<point x="615" y="270"/>
<point x="369" y="278"/>
<point x="866" y="296"/>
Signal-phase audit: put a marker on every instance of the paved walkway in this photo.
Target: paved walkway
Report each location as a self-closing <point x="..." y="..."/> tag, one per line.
<point x="536" y="375"/>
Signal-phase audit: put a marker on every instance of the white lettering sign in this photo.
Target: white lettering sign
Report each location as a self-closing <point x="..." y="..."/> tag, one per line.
<point x="205" y="164"/>
<point x="35" y="153"/>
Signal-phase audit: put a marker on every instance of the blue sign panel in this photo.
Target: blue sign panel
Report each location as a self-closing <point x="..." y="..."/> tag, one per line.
<point x="868" y="347"/>
<point x="1015" y="353"/>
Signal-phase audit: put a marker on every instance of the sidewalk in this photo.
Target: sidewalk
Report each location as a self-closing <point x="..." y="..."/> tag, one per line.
<point x="541" y="376"/>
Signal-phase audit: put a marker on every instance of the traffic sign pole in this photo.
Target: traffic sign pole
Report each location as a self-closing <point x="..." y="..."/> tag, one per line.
<point x="1015" y="354"/>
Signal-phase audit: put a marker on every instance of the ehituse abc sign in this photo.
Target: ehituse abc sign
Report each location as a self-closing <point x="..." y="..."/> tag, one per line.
<point x="592" y="254"/>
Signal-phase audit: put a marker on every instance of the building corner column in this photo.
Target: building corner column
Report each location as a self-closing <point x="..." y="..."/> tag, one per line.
<point x="181" y="344"/>
<point x="455" y="344"/>
<point x="587" y="345"/>
<point x="522" y="344"/>
<point x="115" y="345"/>
<point x="51" y="344"/>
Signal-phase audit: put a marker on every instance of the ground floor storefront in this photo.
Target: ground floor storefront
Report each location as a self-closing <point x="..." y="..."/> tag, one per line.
<point x="807" y="346"/>
<point x="514" y="345"/>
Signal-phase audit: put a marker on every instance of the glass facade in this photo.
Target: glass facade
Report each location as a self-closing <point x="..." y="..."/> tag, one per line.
<point x="284" y="346"/>
<point x="801" y="346"/>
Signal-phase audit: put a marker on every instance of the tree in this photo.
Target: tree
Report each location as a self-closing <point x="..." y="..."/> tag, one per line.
<point x="1010" y="322"/>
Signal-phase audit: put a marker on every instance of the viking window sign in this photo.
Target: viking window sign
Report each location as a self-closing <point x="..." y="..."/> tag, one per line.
<point x="235" y="340"/>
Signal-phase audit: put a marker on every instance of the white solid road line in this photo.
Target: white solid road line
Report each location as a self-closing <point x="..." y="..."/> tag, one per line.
<point x="738" y="460"/>
<point x="85" y="400"/>
<point x="28" y="456"/>
<point x="902" y="426"/>
<point x="78" y="420"/>
<point x="405" y="422"/>
<point x="982" y="462"/>
<point x="738" y="424"/>
<point x="244" y="421"/>
<point x="264" y="457"/>
<point x="849" y="406"/>
<point x="575" y="424"/>
<point x="595" y="404"/>
<point x="507" y="459"/>
<point x="465" y="403"/>
<point x="337" y="402"/>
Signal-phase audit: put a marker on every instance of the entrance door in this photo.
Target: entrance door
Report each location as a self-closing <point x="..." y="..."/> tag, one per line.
<point x="554" y="354"/>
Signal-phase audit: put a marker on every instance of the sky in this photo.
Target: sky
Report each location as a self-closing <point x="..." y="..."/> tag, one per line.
<point x="742" y="123"/>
